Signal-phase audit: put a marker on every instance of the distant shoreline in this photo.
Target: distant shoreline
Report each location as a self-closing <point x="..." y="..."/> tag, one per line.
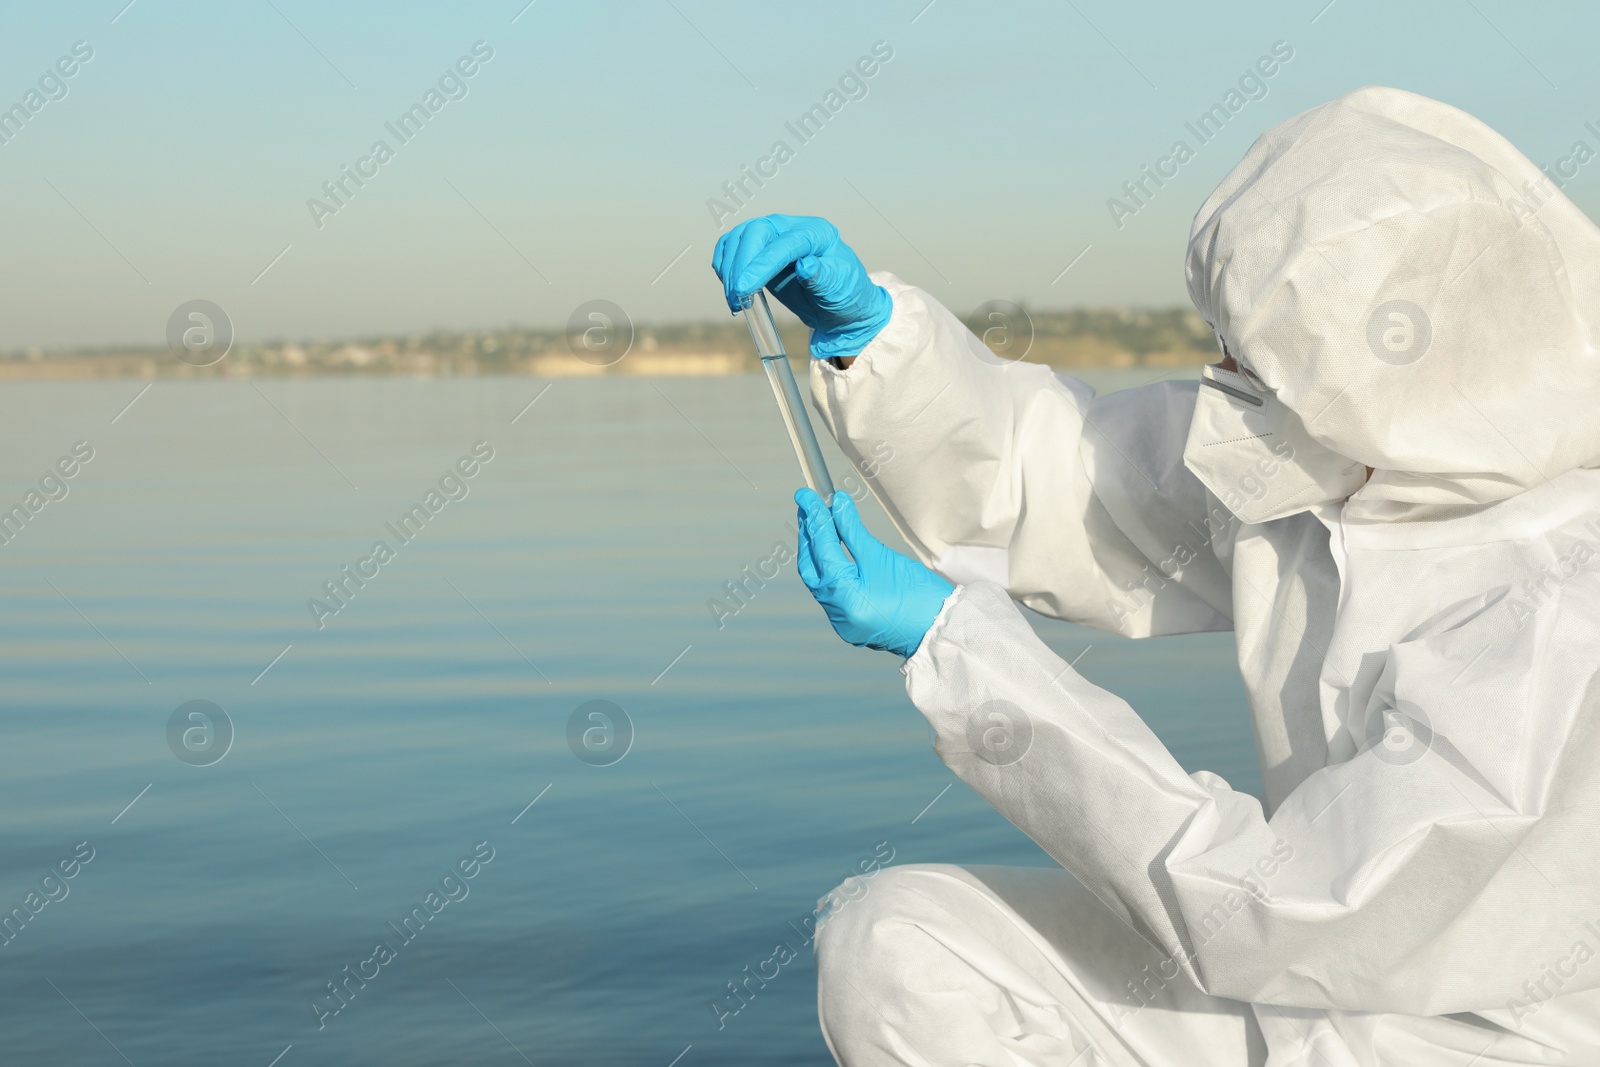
<point x="1089" y="339"/>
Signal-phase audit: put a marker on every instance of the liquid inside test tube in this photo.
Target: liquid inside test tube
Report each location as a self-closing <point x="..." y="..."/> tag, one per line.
<point x="764" y="331"/>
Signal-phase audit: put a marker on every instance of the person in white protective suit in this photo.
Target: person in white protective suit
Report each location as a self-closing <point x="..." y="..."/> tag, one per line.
<point x="1387" y="490"/>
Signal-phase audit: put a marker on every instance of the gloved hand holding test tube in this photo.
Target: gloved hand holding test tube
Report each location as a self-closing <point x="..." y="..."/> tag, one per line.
<point x="758" y="316"/>
<point x="872" y="595"/>
<point x="819" y="278"/>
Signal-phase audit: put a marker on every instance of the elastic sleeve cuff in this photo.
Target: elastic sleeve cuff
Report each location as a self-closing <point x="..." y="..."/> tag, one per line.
<point x="939" y="623"/>
<point x="899" y="337"/>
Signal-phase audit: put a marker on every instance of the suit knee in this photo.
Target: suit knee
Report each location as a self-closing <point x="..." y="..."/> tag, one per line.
<point x="871" y="923"/>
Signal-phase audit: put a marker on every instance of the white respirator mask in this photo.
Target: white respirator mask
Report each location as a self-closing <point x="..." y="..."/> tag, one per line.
<point x="1255" y="454"/>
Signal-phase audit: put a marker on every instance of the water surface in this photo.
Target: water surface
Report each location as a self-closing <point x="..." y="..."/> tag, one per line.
<point x="425" y="715"/>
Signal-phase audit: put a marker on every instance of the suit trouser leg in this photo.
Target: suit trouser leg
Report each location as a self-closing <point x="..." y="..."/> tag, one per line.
<point x="932" y="965"/>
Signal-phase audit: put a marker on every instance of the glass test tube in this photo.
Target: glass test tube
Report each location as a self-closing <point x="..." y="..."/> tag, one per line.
<point x="758" y="316"/>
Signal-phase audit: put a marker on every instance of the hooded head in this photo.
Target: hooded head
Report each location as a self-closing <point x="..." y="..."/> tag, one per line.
<point x="1415" y="296"/>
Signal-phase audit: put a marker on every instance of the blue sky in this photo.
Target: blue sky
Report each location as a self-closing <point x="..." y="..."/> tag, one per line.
<point x="580" y="161"/>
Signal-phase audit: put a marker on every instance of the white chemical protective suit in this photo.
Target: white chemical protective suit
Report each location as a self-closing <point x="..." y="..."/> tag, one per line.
<point x="1403" y="290"/>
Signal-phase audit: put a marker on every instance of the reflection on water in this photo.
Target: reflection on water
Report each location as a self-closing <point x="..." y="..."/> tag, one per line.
<point x="424" y="725"/>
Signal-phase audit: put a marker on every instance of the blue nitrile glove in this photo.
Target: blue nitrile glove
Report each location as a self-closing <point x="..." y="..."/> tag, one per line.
<point x="804" y="264"/>
<point x="881" y="600"/>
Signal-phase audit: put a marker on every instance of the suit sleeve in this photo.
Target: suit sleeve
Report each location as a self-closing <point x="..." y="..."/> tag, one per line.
<point x="1447" y="867"/>
<point x="1004" y="471"/>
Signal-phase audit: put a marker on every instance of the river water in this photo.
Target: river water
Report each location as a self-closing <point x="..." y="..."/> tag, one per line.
<point x="424" y="723"/>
